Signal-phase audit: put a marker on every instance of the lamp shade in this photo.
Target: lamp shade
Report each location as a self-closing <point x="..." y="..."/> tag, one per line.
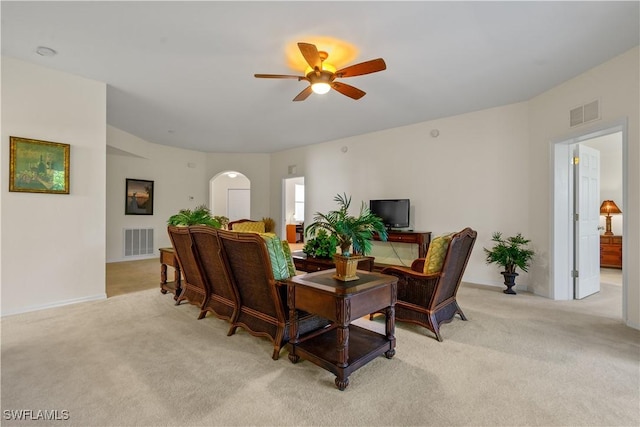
<point x="609" y="207"/>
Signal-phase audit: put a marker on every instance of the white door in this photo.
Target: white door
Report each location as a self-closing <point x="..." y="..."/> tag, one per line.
<point x="587" y="210"/>
<point x="238" y="204"/>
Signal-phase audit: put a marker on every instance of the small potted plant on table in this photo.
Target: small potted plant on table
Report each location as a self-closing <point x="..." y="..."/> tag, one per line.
<point x="510" y="253"/>
<point x="353" y="234"/>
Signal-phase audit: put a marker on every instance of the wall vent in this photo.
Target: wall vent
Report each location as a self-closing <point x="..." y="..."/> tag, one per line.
<point x="584" y="113"/>
<point x="138" y="241"/>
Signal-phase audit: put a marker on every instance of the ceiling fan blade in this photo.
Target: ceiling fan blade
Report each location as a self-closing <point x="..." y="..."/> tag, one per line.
<point x="311" y="55"/>
<point x="348" y="90"/>
<point x="278" y="76"/>
<point x="367" y="67"/>
<point x="304" y="94"/>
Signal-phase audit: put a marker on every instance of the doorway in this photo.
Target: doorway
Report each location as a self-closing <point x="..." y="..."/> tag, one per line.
<point x="230" y="195"/>
<point x="293" y="209"/>
<point x="612" y="141"/>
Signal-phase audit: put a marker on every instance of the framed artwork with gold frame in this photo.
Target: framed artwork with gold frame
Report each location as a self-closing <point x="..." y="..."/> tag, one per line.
<point x="38" y="166"/>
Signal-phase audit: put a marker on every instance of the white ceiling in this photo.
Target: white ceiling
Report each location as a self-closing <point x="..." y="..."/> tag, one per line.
<point x="181" y="73"/>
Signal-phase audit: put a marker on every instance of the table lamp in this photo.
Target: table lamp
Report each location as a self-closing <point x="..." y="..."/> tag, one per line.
<point x="607" y="208"/>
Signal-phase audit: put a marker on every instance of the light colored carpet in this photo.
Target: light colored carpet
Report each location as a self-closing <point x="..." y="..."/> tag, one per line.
<point x="138" y="360"/>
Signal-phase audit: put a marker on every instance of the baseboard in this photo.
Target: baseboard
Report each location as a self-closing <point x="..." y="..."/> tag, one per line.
<point x="633" y="325"/>
<point x="133" y="258"/>
<point x="53" y="305"/>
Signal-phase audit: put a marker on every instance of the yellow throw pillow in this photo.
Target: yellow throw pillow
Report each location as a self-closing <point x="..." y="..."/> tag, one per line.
<point x="249" y="226"/>
<point x="436" y="253"/>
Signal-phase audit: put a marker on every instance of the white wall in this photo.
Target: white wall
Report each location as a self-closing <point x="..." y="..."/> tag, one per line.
<point x="180" y="181"/>
<point x="53" y="245"/>
<point x="489" y="170"/>
<point x="616" y="84"/>
<point x="471" y="175"/>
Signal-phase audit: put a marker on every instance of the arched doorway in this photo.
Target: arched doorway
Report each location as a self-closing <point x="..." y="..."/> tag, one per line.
<point x="230" y="195"/>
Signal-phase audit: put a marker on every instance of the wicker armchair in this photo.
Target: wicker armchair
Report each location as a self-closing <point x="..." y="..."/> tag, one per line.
<point x="194" y="289"/>
<point x="430" y="299"/>
<point x="222" y="298"/>
<point x="262" y="308"/>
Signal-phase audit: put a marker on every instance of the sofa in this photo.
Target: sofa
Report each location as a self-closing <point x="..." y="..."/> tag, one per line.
<point x="240" y="277"/>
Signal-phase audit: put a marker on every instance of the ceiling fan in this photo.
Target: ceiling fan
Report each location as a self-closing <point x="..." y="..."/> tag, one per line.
<point x="321" y="75"/>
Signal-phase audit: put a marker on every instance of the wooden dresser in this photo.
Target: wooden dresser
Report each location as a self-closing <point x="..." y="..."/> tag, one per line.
<point x="611" y="251"/>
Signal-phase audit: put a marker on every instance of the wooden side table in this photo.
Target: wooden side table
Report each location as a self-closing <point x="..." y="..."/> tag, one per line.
<point x="342" y="347"/>
<point x="168" y="257"/>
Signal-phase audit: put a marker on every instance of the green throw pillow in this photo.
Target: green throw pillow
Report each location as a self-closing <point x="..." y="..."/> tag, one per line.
<point x="289" y="258"/>
<point x="277" y="256"/>
<point x="436" y="253"/>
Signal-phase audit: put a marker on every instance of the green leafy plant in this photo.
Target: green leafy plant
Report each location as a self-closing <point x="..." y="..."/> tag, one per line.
<point x="322" y="245"/>
<point x="223" y="220"/>
<point x="199" y="216"/>
<point x="347" y="229"/>
<point x="510" y="252"/>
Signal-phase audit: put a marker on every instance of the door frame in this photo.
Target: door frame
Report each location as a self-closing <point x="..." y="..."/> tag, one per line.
<point x="284" y="201"/>
<point x="561" y="183"/>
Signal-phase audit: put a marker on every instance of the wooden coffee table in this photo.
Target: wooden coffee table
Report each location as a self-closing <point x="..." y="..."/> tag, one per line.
<point x="342" y="347"/>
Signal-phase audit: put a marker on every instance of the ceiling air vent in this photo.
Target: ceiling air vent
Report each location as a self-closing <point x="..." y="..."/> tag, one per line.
<point x="584" y="113"/>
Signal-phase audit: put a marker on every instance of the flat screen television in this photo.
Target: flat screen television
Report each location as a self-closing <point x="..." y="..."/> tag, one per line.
<point x="394" y="212"/>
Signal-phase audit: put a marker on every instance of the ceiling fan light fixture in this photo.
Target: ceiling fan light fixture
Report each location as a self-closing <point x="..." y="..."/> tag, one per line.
<point x="321" y="75"/>
<point x="320" y="88"/>
<point x="321" y="83"/>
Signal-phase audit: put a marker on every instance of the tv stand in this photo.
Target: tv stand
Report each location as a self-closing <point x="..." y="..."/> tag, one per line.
<point x="420" y="238"/>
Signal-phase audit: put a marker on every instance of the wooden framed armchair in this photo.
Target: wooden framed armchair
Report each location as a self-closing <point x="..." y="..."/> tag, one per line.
<point x="221" y="300"/>
<point x="194" y="289"/>
<point x="429" y="299"/>
<point x="262" y="308"/>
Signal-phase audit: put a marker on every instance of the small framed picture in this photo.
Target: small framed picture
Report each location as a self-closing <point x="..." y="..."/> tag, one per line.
<point x="138" y="197"/>
<point x="38" y="166"/>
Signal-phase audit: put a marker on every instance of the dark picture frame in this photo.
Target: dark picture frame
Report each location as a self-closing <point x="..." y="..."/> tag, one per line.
<point x="38" y="166"/>
<point x="138" y="197"/>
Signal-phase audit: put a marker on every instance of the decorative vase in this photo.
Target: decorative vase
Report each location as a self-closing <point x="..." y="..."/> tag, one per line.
<point x="346" y="267"/>
<point x="510" y="282"/>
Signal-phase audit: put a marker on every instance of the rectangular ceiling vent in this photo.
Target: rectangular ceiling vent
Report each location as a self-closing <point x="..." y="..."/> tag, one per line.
<point x="138" y="241"/>
<point x="584" y="113"/>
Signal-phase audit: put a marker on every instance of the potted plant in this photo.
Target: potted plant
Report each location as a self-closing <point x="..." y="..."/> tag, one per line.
<point x="223" y="220"/>
<point x="323" y="245"/>
<point x="353" y="234"/>
<point x="510" y="253"/>
<point x="269" y="224"/>
<point x="201" y="215"/>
